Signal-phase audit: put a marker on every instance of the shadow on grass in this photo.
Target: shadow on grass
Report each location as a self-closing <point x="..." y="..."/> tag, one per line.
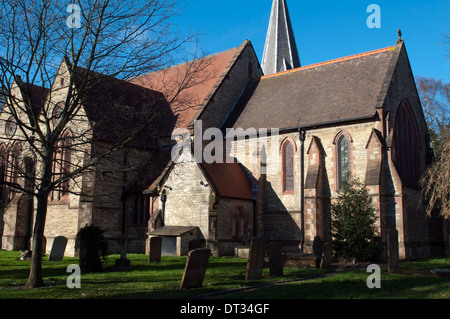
<point x="353" y="286"/>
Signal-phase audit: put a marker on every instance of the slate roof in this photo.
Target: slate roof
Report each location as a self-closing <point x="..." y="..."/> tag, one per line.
<point x="229" y="179"/>
<point x="199" y="79"/>
<point x="118" y="108"/>
<point x="334" y="91"/>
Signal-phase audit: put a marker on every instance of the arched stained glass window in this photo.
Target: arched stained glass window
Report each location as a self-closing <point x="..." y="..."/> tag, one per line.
<point x="343" y="161"/>
<point x="288" y="167"/>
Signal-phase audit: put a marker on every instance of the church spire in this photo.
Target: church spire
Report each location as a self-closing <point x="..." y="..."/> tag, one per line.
<point x="280" y="51"/>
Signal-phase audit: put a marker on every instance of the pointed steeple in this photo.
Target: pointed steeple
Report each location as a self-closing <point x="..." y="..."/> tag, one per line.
<point x="280" y="51"/>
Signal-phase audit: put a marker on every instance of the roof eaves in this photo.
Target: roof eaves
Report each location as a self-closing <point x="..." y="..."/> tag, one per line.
<point x="373" y="117"/>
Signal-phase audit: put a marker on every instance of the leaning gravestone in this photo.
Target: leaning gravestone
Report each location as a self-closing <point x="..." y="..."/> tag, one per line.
<point x="195" y="269"/>
<point x="392" y="249"/>
<point x="58" y="249"/>
<point x="276" y="259"/>
<point x="155" y="249"/>
<point x="255" y="262"/>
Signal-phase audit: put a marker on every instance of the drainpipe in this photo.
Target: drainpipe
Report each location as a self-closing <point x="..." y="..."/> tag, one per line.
<point x="163" y="208"/>
<point x="302" y="135"/>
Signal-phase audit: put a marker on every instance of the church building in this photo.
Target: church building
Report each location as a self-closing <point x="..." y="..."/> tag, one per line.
<point x="297" y="134"/>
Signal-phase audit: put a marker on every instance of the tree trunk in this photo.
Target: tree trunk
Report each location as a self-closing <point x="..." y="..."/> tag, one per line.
<point x="35" y="279"/>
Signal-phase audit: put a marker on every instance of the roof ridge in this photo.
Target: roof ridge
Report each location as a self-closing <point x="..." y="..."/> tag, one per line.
<point x="315" y="65"/>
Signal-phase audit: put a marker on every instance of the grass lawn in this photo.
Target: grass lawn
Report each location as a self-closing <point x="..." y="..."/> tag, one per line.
<point x="162" y="281"/>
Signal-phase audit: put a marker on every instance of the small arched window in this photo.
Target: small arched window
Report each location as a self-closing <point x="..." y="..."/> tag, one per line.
<point x="288" y="166"/>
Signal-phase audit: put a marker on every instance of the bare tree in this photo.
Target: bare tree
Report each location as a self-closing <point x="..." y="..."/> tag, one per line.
<point x="435" y="100"/>
<point x="102" y="44"/>
<point x="436" y="184"/>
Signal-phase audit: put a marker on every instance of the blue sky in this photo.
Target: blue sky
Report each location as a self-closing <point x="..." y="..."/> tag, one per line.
<point x="326" y="30"/>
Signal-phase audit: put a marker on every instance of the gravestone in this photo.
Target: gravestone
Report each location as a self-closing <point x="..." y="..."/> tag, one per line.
<point x="155" y="249"/>
<point x="255" y="262"/>
<point x="195" y="269"/>
<point x="317" y="250"/>
<point x="317" y="247"/>
<point x="392" y="249"/>
<point x="276" y="259"/>
<point x="327" y="255"/>
<point x="58" y="249"/>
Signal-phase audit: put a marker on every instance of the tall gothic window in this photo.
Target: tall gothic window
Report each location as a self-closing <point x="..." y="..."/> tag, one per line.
<point x="343" y="158"/>
<point x="288" y="166"/>
<point x="62" y="165"/>
<point x="406" y="145"/>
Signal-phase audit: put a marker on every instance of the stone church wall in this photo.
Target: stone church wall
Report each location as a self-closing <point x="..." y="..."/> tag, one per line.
<point x="235" y="224"/>
<point x="188" y="195"/>
<point x="114" y="173"/>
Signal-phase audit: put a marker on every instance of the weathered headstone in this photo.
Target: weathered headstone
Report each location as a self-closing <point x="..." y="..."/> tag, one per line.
<point x="255" y="262"/>
<point x="392" y="249"/>
<point x="327" y="255"/>
<point x="58" y="249"/>
<point x="317" y="247"/>
<point x="195" y="269"/>
<point x="155" y="248"/>
<point x="276" y="259"/>
<point x="317" y="250"/>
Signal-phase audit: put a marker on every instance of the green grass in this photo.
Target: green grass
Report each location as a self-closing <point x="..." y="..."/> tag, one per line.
<point x="144" y="280"/>
<point x="414" y="281"/>
<point x="162" y="281"/>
